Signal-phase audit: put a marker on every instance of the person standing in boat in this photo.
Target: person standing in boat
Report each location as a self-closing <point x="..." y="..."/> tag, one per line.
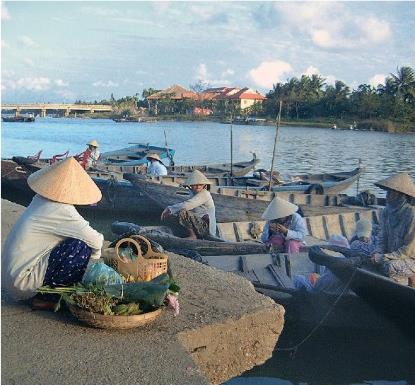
<point x="88" y="159"/>
<point x="51" y="244"/>
<point x="197" y="214"/>
<point x="156" y="167"/>
<point x="395" y="250"/>
<point x="285" y="228"/>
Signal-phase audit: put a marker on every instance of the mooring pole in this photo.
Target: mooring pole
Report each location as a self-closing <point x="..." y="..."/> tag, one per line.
<point x="277" y="129"/>
<point x="231" y="145"/>
<point x="358" y="178"/>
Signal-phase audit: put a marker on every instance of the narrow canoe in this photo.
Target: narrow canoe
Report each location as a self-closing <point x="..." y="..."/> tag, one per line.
<point x="222" y="170"/>
<point x="395" y="300"/>
<point x="234" y="205"/>
<point x="332" y="183"/>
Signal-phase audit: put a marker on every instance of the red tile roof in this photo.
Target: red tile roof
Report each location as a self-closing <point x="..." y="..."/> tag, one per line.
<point x="174" y="92"/>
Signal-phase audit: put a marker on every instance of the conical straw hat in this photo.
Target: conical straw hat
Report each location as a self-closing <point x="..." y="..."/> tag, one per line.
<point x="153" y="156"/>
<point x="279" y="208"/>
<point x="401" y="182"/>
<point x="93" y="143"/>
<point x="65" y="182"/>
<point x="196" y="177"/>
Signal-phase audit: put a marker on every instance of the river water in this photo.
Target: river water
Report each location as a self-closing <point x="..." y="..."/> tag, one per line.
<point x="327" y="358"/>
<point x="299" y="149"/>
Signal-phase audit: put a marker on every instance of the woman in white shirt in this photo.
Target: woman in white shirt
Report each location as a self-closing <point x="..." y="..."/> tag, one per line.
<point x="285" y="228"/>
<point x="197" y="214"/>
<point x="51" y="244"/>
<point x="156" y="167"/>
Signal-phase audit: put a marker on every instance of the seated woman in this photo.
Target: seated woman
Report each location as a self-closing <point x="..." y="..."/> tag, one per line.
<point x="284" y="228"/>
<point x="363" y="241"/>
<point x="196" y="215"/>
<point x="51" y="244"/>
<point x="156" y="167"/>
<point x="395" y="250"/>
<point x="88" y="159"/>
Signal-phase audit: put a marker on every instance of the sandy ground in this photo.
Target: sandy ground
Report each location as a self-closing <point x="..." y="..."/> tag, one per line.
<point x="224" y="328"/>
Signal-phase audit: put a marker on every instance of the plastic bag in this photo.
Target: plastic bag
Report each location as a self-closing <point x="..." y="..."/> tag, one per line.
<point x="100" y="274"/>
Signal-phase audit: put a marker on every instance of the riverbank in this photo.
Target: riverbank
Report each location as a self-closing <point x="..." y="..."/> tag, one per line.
<point x="224" y="328"/>
<point x="380" y="125"/>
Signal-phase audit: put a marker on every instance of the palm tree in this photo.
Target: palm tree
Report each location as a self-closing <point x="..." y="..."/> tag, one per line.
<point x="403" y="83"/>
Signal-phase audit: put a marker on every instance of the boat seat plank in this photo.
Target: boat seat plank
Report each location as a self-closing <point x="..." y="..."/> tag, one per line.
<point x="280" y="276"/>
<point x="249" y="275"/>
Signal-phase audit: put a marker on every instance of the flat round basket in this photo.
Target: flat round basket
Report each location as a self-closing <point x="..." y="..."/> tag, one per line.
<point x="113" y="321"/>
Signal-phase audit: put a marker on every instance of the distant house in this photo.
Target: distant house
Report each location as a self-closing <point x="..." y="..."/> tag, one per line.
<point x="242" y="98"/>
<point x="174" y="93"/>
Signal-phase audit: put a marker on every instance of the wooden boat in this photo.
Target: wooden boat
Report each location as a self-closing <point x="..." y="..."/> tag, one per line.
<point x="118" y="195"/>
<point x="163" y="236"/>
<point x="214" y="170"/>
<point x="133" y="155"/>
<point x="234" y="205"/>
<point x="243" y="237"/>
<point x="395" y="300"/>
<point x="18" y="119"/>
<point x="320" y="183"/>
<point x="272" y="274"/>
<point x="223" y="169"/>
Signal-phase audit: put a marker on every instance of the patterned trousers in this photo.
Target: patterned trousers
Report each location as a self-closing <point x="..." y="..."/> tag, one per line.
<point x="67" y="263"/>
<point x="186" y="220"/>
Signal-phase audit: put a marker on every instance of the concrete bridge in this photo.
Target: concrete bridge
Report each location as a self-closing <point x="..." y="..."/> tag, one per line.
<point x="43" y="108"/>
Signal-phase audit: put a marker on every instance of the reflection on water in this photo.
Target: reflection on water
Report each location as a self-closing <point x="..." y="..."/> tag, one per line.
<point x="299" y="149"/>
<point x="343" y="357"/>
<point x="346" y="358"/>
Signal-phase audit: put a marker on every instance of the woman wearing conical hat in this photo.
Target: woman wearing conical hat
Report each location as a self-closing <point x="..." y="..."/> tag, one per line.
<point x="196" y="215"/>
<point x="285" y="228"/>
<point x="156" y="167"/>
<point x="395" y="252"/>
<point x="89" y="158"/>
<point x="51" y="244"/>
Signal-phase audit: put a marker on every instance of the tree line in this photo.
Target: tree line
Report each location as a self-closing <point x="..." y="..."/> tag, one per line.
<point x="305" y="98"/>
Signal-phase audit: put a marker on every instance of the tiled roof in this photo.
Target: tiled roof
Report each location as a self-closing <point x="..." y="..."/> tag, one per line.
<point x="174" y="92"/>
<point x="247" y="93"/>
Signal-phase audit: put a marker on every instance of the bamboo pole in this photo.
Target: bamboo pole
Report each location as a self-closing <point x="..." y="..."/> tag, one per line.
<point x="277" y="129"/>
<point x="231" y="145"/>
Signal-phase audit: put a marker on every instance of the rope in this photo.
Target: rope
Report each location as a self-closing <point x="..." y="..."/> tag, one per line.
<point x="293" y="349"/>
<point x="17" y="169"/>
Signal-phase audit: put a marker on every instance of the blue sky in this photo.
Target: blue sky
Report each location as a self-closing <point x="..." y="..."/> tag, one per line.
<point x="63" y="51"/>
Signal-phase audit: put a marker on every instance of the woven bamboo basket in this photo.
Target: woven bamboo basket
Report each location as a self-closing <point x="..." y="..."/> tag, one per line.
<point x="113" y="321"/>
<point x="145" y="267"/>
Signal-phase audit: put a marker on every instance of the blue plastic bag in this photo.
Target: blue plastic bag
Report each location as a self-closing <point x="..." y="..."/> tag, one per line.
<point x="100" y="274"/>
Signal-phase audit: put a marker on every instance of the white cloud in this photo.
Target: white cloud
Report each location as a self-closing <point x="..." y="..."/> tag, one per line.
<point x="61" y="83"/>
<point x="330" y="80"/>
<point x="66" y="94"/>
<point x="4" y="44"/>
<point x="202" y="72"/>
<point x="31" y="84"/>
<point x="5" y="15"/>
<point x="28" y="62"/>
<point x="376" y="30"/>
<point x="311" y="70"/>
<point x="26" y="41"/>
<point x="228" y="72"/>
<point x="269" y="73"/>
<point x="332" y="25"/>
<point x="377" y="79"/>
<point x="108" y="83"/>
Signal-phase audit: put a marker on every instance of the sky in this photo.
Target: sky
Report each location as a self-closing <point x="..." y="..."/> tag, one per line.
<point x="65" y="51"/>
